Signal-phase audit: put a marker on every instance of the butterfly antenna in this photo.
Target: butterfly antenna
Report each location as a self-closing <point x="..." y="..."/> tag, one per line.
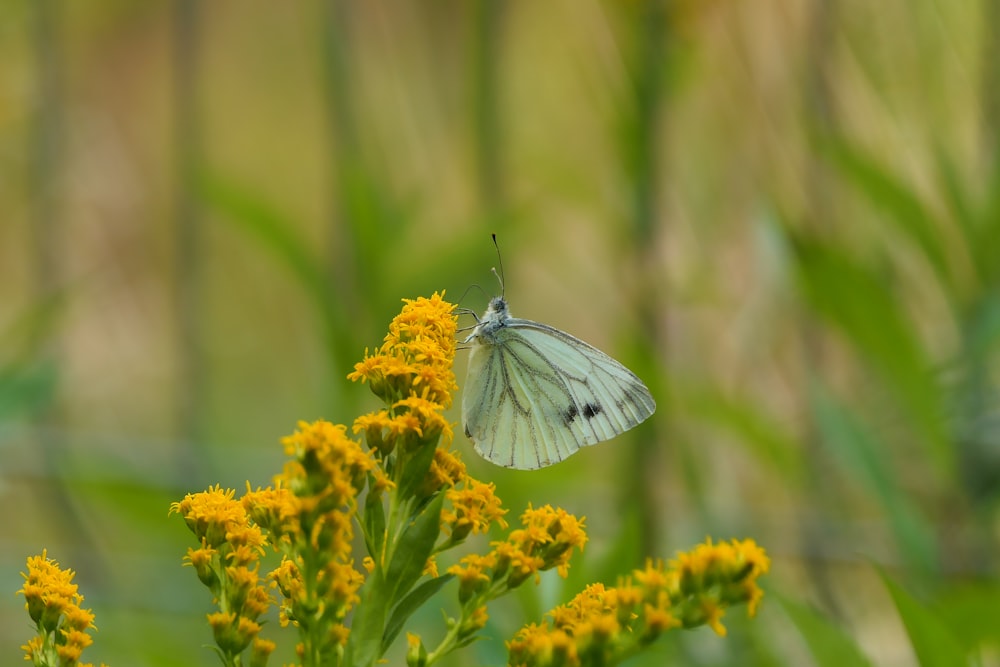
<point x="500" y="264"/>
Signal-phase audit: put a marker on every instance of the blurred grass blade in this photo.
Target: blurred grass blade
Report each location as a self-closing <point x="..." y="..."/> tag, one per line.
<point x="29" y="372"/>
<point x="758" y="432"/>
<point x="932" y="640"/>
<point x="904" y="208"/>
<point x="275" y="232"/>
<point x="864" y="458"/>
<point x="970" y="222"/>
<point x="970" y="611"/>
<point x="830" y="645"/>
<point x="857" y="302"/>
<point x="27" y="388"/>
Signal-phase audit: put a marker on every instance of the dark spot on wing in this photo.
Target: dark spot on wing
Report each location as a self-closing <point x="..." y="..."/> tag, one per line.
<point x="590" y="410"/>
<point x="468" y="434"/>
<point x="570" y="414"/>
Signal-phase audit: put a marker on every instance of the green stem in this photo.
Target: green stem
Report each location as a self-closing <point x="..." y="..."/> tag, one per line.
<point x="447" y="644"/>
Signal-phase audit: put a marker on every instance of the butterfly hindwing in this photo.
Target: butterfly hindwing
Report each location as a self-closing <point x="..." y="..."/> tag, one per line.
<point x="539" y="394"/>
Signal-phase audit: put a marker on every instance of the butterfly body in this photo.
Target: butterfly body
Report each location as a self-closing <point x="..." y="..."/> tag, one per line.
<point x="535" y="394"/>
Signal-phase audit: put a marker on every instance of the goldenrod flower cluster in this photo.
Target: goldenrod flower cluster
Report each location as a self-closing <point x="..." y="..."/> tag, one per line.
<point x="395" y="480"/>
<point x="430" y="492"/>
<point x="227" y="562"/>
<point x="545" y="541"/>
<point x="603" y="626"/>
<point x="416" y="355"/>
<point x="309" y="515"/>
<point x="53" y="603"/>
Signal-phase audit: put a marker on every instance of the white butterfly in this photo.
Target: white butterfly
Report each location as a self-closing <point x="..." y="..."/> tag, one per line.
<point x="534" y="395"/>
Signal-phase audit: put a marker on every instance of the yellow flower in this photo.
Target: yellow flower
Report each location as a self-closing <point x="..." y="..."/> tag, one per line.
<point x="261" y="649"/>
<point x="538" y="645"/>
<point x="211" y="514"/>
<point x="474" y="623"/>
<point x="247" y="543"/>
<point x="202" y="561"/>
<point x="71" y="650"/>
<point x="713" y="616"/>
<point x="339" y="634"/>
<point x="471" y="574"/>
<point x="288" y="580"/>
<point x="53" y="603"/>
<point x="474" y="508"/>
<point x="257" y="602"/>
<point x="415" y="358"/>
<point x="33" y="647"/>
<point x="513" y="563"/>
<point x="432" y="423"/>
<point x="605" y="625"/>
<point x="343" y="582"/>
<point x="713" y="576"/>
<point x="657" y="620"/>
<point x="406" y="429"/>
<point x="275" y="510"/>
<point x="416" y="654"/>
<point x="546" y="541"/>
<point x="327" y="463"/>
<point x="448" y="467"/>
<point x="553" y="533"/>
<point x="376" y="427"/>
<point x="232" y="632"/>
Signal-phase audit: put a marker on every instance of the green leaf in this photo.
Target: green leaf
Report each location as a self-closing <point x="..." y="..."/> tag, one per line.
<point x="969" y="609"/>
<point x="933" y="642"/>
<point x="829" y="644"/>
<point x="413" y="549"/>
<point x="415" y="471"/>
<point x="374" y="523"/>
<point x="365" y="641"/>
<point x="865" y="458"/>
<point x="855" y="300"/>
<point x="409" y="604"/>
<point x="384" y="589"/>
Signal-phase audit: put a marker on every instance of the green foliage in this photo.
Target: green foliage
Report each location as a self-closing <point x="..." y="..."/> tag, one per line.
<point x="867" y="459"/>
<point x="932" y="641"/>
<point x="830" y="645"/>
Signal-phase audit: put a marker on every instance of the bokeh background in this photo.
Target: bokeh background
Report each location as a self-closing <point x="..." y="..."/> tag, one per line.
<point x="785" y="216"/>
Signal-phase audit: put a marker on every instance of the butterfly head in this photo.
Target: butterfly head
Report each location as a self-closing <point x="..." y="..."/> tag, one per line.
<point x="494" y="318"/>
<point x="497" y="309"/>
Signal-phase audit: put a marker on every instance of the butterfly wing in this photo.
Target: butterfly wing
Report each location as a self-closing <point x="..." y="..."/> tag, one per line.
<point x="535" y="395"/>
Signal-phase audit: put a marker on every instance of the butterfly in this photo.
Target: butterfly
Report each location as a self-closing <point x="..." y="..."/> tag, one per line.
<point x="534" y="395"/>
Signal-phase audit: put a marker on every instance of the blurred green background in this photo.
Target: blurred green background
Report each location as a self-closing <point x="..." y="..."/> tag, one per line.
<point x="784" y="216"/>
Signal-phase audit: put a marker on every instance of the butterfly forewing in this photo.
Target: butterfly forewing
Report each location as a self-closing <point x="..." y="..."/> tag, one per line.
<point x="535" y="395"/>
